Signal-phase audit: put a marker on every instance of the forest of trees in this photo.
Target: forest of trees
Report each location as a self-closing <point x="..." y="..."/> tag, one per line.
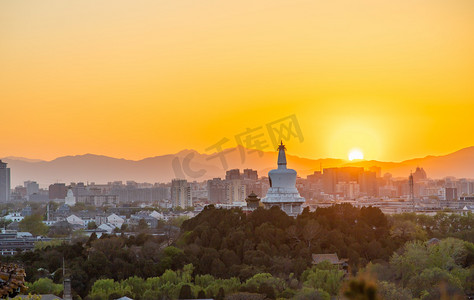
<point x="267" y="255"/>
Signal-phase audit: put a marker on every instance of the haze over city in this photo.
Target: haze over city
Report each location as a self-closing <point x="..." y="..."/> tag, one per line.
<point x="237" y="150"/>
<point x="393" y="79"/>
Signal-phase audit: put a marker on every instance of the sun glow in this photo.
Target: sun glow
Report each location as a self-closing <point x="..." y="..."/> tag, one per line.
<point x="356" y="154"/>
<point x="139" y="66"/>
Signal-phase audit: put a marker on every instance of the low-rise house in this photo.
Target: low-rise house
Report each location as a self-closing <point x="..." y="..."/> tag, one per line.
<point x="135" y="219"/>
<point x="108" y="228"/>
<point x="100" y="218"/>
<point x="15" y="217"/>
<point x="61" y="228"/>
<point x="11" y="242"/>
<point x="63" y="211"/>
<point x="467" y="209"/>
<point x="115" y="220"/>
<point x="22" y="234"/>
<point x="87" y="216"/>
<point x="75" y="220"/>
<point x="331" y="258"/>
<point x="98" y="232"/>
<point x="157" y="215"/>
<point x="49" y="222"/>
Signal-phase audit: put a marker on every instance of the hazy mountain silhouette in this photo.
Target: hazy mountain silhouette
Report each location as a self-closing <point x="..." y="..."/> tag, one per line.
<point x="22" y="159"/>
<point x="102" y="169"/>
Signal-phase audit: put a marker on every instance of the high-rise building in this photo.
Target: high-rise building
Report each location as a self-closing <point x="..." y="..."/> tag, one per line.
<point x="127" y="194"/>
<point x="57" y="191"/>
<point x="348" y="174"/>
<point x="235" y="191"/>
<point x="216" y="190"/>
<point x="250" y="174"/>
<point x="451" y="194"/>
<point x="4" y="182"/>
<point x="315" y="177"/>
<point x="368" y="183"/>
<point x="350" y="189"/>
<point x="32" y="187"/>
<point x="329" y="180"/>
<point x="332" y="176"/>
<point x="377" y="170"/>
<point x="181" y="193"/>
<point x="419" y="174"/>
<point x="336" y="180"/>
<point x="232" y="174"/>
<point x="465" y="187"/>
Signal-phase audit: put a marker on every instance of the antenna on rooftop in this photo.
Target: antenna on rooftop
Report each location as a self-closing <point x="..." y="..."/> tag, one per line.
<point x="412" y="194"/>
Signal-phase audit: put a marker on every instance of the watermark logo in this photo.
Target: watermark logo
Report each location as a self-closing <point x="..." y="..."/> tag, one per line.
<point x="252" y="140"/>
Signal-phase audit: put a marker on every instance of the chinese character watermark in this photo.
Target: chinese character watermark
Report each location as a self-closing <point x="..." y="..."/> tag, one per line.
<point x="249" y="141"/>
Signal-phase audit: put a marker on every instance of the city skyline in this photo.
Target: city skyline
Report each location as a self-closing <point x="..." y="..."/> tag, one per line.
<point x="238" y="149"/>
<point x="113" y="78"/>
<point x="192" y="165"/>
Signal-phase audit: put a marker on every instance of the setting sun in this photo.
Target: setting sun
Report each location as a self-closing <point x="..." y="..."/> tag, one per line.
<point x="356" y="154"/>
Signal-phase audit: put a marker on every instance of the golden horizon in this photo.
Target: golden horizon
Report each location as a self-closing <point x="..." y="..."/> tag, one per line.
<point x="126" y="80"/>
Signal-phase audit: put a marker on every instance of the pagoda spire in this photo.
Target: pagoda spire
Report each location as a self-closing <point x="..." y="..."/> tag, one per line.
<point x="281" y="156"/>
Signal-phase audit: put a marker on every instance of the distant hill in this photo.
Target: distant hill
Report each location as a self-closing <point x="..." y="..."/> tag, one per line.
<point x="21" y="158"/>
<point x="459" y="164"/>
<point x="102" y="169"/>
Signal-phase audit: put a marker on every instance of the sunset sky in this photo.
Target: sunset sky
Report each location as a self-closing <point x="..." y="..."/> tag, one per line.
<point x="135" y="79"/>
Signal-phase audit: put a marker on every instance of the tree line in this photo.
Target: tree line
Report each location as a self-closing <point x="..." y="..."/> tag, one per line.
<point x="268" y="254"/>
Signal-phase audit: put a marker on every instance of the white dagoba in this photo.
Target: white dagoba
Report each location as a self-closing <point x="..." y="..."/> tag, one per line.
<point x="70" y="199"/>
<point x="282" y="191"/>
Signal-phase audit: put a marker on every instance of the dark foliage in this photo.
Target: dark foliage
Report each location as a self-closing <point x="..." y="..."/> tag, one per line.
<point x="186" y="292"/>
<point x="108" y="257"/>
<point x="227" y="243"/>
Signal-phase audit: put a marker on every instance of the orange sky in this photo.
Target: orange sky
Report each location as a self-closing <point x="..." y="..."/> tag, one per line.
<point x="135" y="79"/>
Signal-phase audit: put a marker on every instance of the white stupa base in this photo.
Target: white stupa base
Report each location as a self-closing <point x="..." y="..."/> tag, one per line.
<point x="287" y="199"/>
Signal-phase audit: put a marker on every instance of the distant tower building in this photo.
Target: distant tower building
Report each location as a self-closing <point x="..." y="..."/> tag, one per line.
<point x="4" y="182"/>
<point x="350" y="190"/>
<point x="411" y="183"/>
<point x="70" y="199"/>
<point x="57" y="191"/>
<point x="419" y="175"/>
<point x="329" y="179"/>
<point x="250" y="174"/>
<point x="315" y="177"/>
<point x="282" y="191"/>
<point x="368" y="183"/>
<point x="232" y="174"/>
<point x="451" y="194"/>
<point x="376" y="170"/>
<point x="235" y="191"/>
<point x="216" y="190"/>
<point x="181" y="193"/>
<point x="32" y="187"/>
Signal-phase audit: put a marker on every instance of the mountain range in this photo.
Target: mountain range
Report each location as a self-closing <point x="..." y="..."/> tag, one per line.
<point x="193" y="165"/>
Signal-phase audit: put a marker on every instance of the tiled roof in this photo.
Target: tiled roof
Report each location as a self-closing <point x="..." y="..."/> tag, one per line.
<point x="331" y="257"/>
